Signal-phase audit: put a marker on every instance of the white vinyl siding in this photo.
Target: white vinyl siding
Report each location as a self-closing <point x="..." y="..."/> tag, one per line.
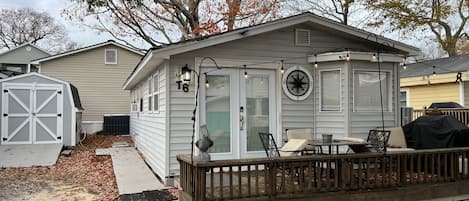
<point x="149" y="129"/>
<point x="110" y="56"/>
<point x="330" y="86"/>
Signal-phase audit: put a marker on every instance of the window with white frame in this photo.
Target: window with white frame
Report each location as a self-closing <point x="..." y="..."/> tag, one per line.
<point x="156" y="92"/>
<point x="367" y="95"/>
<point x="404" y="98"/>
<point x="110" y="56"/>
<point x="133" y="101"/>
<point x="149" y="94"/>
<point x="330" y="90"/>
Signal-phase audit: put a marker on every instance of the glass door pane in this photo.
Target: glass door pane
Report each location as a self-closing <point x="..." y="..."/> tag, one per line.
<point x="257" y="110"/>
<point x="217" y="100"/>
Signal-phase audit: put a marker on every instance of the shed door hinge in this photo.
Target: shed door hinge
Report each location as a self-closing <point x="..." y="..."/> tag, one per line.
<point x="59" y="115"/>
<point x="5" y="90"/>
<point x="5" y="114"/>
<point x="59" y="137"/>
<point x="4" y="139"/>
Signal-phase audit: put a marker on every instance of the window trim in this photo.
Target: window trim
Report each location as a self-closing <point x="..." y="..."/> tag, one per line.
<point x="155" y="92"/>
<point x="133" y="101"/>
<point x="340" y="89"/>
<point x="105" y="56"/>
<point x="148" y="95"/>
<point x="407" y="97"/>
<point x="390" y="92"/>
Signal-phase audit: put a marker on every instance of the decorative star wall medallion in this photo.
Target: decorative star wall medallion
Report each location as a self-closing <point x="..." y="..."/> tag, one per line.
<point x="297" y="83"/>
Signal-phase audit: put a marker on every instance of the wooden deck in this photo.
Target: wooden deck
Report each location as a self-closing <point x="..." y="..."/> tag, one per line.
<point x="315" y="176"/>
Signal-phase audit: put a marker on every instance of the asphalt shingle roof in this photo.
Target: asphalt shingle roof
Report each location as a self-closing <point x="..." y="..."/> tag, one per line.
<point x="453" y="64"/>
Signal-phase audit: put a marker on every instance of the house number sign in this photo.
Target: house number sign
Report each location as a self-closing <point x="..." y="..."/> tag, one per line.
<point x="183" y="86"/>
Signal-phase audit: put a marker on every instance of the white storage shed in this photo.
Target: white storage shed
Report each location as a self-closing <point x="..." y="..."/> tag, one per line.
<point x="38" y="109"/>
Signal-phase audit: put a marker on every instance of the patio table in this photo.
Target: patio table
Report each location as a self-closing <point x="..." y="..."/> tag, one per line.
<point x="336" y="143"/>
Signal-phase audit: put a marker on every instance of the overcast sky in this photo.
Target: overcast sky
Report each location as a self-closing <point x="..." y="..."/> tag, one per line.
<point x="76" y="33"/>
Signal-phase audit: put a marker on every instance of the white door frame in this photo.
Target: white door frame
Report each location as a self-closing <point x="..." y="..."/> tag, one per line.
<point x="238" y="98"/>
<point x="234" y="107"/>
<point x="272" y="109"/>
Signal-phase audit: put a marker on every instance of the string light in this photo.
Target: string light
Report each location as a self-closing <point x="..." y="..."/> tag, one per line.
<point x="282" y="70"/>
<point x="405" y="66"/>
<point x="434" y="73"/>
<point x="245" y="72"/>
<point x="207" y="84"/>
<point x="373" y="58"/>
<point x="316" y="61"/>
<point x="347" y="57"/>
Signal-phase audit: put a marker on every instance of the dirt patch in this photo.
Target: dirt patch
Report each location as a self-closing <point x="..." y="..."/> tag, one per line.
<point x="82" y="176"/>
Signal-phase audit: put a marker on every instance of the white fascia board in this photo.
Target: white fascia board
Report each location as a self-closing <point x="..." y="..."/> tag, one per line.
<point x="355" y="56"/>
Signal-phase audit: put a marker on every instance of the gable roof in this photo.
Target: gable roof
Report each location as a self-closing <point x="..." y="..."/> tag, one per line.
<point x="86" y="48"/>
<point x="23" y="45"/>
<point x="453" y="64"/>
<point x="165" y="51"/>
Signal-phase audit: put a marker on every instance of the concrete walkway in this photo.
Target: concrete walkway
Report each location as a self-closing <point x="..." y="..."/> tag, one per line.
<point x="28" y="155"/>
<point x="132" y="174"/>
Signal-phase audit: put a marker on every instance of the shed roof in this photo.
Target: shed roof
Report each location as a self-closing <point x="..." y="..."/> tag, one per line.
<point x="75" y="97"/>
<point x="453" y="64"/>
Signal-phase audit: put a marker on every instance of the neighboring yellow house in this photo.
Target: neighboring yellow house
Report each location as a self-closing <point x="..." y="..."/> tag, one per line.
<point x="430" y="81"/>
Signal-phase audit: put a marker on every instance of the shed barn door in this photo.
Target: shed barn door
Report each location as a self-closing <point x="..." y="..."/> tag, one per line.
<point x="32" y="113"/>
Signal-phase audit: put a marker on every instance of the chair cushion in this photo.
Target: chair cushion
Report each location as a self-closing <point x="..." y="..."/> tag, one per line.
<point x="390" y="149"/>
<point x="294" y="145"/>
<point x="301" y="133"/>
<point x="396" y="138"/>
<point x="353" y="139"/>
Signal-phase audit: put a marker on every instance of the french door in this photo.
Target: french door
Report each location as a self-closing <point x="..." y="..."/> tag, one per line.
<point x="235" y="109"/>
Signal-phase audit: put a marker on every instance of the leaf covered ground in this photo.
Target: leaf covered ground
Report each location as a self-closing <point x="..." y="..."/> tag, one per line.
<point x="82" y="176"/>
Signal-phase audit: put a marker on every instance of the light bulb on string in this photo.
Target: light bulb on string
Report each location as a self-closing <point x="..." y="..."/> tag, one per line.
<point x="282" y="70"/>
<point x="347" y="57"/>
<point x="316" y="65"/>
<point x="207" y="84"/>
<point x="405" y="66"/>
<point x="373" y="58"/>
<point x="245" y="72"/>
<point x="434" y="72"/>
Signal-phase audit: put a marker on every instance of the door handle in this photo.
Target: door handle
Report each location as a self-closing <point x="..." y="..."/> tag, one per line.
<point x="241" y="122"/>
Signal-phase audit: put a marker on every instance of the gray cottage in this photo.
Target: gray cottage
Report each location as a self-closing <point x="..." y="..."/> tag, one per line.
<point x="303" y="71"/>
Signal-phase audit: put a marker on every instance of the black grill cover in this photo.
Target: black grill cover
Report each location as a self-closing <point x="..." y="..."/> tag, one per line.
<point x="430" y="132"/>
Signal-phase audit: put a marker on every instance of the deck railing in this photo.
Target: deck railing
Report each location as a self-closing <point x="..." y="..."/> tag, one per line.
<point x="302" y="176"/>
<point x="460" y="114"/>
